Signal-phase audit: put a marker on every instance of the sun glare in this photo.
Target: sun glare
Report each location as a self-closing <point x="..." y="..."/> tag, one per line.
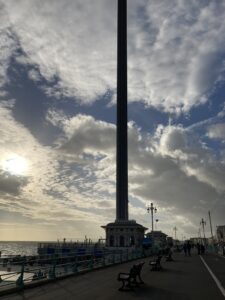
<point x="15" y="165"/>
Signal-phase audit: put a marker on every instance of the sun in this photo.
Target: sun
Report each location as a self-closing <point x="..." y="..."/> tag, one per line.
<point x="15" y="165"/>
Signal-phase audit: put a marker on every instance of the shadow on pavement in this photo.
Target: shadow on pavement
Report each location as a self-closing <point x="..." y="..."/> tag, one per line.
<point x="150" y="292"/>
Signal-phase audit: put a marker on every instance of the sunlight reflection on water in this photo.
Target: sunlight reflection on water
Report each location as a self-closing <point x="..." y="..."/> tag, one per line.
<point x="18" y="248"/>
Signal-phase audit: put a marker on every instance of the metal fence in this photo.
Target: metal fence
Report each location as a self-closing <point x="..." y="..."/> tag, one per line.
<point x="25" y="271"/>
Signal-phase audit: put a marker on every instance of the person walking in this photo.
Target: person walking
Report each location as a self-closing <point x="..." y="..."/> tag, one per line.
<point x="198" y="248"/>
<point x="202" y="249"/>
<point x="185" y="249"/>
<point x="189" y="248"/>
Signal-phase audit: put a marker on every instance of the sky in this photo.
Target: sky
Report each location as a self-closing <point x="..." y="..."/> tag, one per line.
<point x="58" y="116"/>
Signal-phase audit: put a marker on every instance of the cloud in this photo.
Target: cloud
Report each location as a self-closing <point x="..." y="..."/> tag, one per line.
<point x="172" y="168"/>
<point x="74" y="181"/>
<point x="8" y="45"/>
<point x="17" y="141"/>
<point x="34" y="75"/>
<point x="176" y="52"/>
<point x="55" y="190"/>
<point x="67" y="49"/>
<point x="11" y="184"/>
<point x="180" y="175"/>
<point x="84" y="134"/>
<point x="175" y="48"/>
<point x="173" y="138"/>
<point x="216" y="131"/>
<point x="196" y="158"/>
<point x="46" y="188"/>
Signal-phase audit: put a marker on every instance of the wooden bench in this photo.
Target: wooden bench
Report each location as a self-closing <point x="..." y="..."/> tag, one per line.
<point x="129" y="279"/>
<point x="169" y="257"/>
<point x="156" y="264"/>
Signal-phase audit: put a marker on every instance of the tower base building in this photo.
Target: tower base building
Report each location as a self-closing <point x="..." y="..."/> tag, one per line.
<point x="126" y="233"/>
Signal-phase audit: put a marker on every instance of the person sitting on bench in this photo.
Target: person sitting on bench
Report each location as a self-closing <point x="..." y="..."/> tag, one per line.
<point x="156" y="264"/>
<point x="169" y="255"/>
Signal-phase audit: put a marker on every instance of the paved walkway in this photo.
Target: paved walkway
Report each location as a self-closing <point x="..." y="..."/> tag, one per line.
<point x="187" y="278"/>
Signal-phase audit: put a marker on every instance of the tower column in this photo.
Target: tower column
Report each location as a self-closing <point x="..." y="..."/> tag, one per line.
<point x="123" y="232"/>
<point x="121" y="158"/>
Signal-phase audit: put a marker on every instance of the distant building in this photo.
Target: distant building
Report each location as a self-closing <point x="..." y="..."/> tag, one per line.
<point x="158" y="236"/>
<point x="200" y="240"/>
<point x="220" y="233"/>
<point x="176" y="242"/>
<point x="211" y="240"/>
<point x="195" y="240"/>
<point x="169" y="241"/>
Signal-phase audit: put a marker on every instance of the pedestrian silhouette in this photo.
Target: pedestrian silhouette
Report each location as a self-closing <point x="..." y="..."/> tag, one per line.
<point x="202" y="249"/>
<point x="189" y="248"/>
<point x="185" y="249"/>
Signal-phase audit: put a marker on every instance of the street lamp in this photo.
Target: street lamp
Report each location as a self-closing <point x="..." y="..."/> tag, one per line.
<point x="156" y="221"/>
<point x="203" y="223"/>
<point x="200" y="236"/>
<point x="175" y="233"/>
<point x="152" y="209"/>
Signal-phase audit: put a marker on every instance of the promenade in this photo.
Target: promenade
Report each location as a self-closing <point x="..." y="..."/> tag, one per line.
<point x="187" y="278"/>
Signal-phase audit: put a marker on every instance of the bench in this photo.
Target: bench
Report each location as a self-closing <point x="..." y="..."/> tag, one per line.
<point x="156" y="264"/>
<point x="129" y="279"/>
<point x="169" y="257"/>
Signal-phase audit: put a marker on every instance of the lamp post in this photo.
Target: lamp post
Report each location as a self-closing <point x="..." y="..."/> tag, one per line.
<point x="175" y="234"/>
<point x="203" y="223"/>
<point x="153" y="210"/>
<point x="200" y="237"/>
<point x="156" y="221"/>
<point x="210" y="222"/>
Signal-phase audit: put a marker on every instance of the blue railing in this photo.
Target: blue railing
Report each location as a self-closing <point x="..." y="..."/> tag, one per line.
<point x="26" y="271"/>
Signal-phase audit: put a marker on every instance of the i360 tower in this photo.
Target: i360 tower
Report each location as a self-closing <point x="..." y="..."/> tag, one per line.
<point x="123" y="232"/>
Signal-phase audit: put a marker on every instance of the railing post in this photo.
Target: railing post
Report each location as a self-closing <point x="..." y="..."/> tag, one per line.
<point x="91" y="264"/>
<point x="19" y="281"/>
<point x="113" y="258"/>
<point x="66" y="268"/>
<point x="75" y="269"/>
<point x="51" y="273"/>
<point x="103" y="259"/>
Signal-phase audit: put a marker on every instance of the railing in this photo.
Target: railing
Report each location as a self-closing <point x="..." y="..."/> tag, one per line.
<point x="27" y="271"/>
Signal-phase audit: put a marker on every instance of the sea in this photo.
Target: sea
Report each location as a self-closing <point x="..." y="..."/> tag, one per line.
<point x="18" y="248"/>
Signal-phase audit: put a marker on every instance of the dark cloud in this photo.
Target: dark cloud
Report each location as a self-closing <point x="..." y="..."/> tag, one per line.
<point x="11" y="184"/>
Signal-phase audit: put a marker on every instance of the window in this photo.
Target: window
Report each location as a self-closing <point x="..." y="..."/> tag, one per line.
<point x="121" y="241"/>
<point x="111" y="241"/>
<point x="132" y="240"/>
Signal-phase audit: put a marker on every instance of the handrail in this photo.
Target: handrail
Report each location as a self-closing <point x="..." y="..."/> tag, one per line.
<point x="53" y="270"/>
<point x="44" y="257"/>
